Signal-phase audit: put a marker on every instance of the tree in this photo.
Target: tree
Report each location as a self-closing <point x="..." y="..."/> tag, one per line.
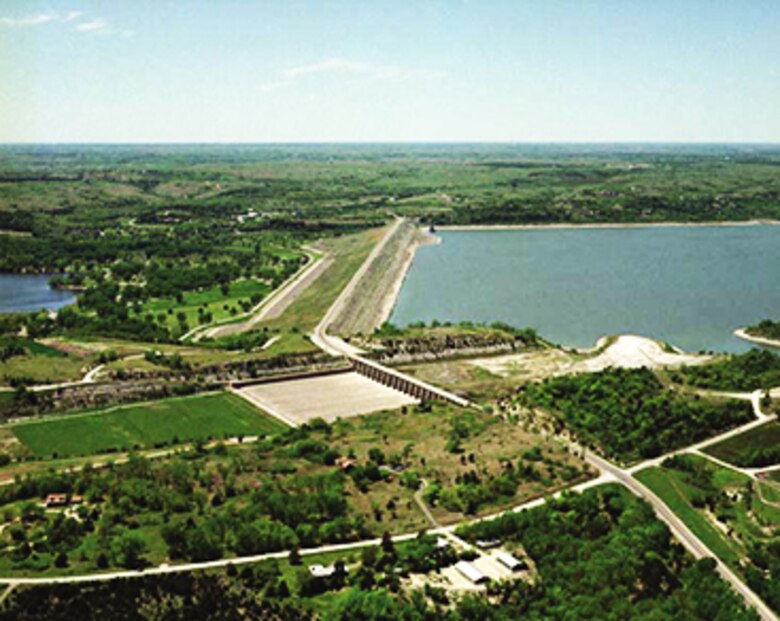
<point x="203" y="545"/>
<point x="128" y="549"/>
<point x="387" y="544"/>
<point x="368" y="556"/>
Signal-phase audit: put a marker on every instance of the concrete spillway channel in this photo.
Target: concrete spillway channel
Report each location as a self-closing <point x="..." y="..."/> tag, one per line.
<point x="404" y="383"/>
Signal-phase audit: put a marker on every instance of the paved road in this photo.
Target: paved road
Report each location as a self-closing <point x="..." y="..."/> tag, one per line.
<point x="320" y="337"/>
<point x="169" y="569"/>
<point x="271" y="306"/>
<point x="684" y="535"/>
<point x="336" y="346"/>
<point x="89" y="378"/>
<point x="609" y="472"/>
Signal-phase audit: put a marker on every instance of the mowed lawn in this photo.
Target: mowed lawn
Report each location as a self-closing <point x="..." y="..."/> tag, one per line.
<point x="734" y="450"/>
<point x="146" y="425"/>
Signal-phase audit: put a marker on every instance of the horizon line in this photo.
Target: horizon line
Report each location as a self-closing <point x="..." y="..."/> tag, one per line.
<point x="397" y="142"/>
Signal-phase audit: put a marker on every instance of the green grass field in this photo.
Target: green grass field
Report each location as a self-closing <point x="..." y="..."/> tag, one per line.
<point x="213" y="299"/>
<point x="146" y="425"/>
<point x="735" y="450"/>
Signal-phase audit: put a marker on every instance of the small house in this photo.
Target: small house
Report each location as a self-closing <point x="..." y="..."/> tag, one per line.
<point x="321" y="571"/>
<point x="55" y="500"/>
<point x="345" y="463"/>
<point x="486" y="544"/>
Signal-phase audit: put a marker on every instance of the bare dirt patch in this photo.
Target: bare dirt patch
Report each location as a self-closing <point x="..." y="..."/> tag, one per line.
<point x="626" y="351"/>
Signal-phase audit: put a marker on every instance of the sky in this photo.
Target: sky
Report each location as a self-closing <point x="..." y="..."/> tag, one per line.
<point x="390" y="71"/>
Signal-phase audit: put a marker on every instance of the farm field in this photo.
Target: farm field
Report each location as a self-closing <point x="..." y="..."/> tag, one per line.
<point x="744" y="449"/>
<point x="146" y="425"/>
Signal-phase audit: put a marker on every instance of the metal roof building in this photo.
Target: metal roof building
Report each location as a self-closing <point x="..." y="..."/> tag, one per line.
<point x="509" y="561"/>
<point x="471" y="572"/>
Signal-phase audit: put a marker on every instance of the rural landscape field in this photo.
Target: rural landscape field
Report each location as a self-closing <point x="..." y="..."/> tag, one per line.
<point x="277" y="353"/>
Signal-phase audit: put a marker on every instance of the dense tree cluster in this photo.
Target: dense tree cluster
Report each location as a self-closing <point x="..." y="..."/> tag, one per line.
<point x="603" y="554"/>
<point x="753" y="370"/>
<point x="767" y="329"/>
<point x="181" y="597"/>
<point x="630" y="414"/>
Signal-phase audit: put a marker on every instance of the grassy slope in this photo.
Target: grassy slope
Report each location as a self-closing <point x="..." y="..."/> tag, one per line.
<point x="668" y="485"/>
<point x="41" y="363"/>
<point x="183" y="419"/>
<point x="43" y="369"/>
<point x="671" y="487"/>
<point x="301" y="317"/>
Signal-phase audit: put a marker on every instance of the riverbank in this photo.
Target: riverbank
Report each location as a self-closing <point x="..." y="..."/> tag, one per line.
<point x="758" y="340"/>
<point x="600" y="225"/>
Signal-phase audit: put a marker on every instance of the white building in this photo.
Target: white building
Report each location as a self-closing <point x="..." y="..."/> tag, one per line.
<point x="471" y="572"/>
<point x="509" y="561"/>
<point x="320" y="571"/>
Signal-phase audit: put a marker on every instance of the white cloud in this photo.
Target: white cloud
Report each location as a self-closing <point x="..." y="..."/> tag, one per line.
<point x="343" y="65"/>
<point x="98" y="25"/>
<point x="31" y="20"/>
<point x="93" y="25"/>
<point x="380" y="72"/>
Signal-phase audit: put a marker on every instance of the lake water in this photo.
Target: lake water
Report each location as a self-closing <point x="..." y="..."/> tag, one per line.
<point x="30" y="292"/>
<point x="690" y="286"/>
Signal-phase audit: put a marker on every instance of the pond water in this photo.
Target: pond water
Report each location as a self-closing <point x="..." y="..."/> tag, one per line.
<point x="30" y="292"/>
<point x="690" y="286"/>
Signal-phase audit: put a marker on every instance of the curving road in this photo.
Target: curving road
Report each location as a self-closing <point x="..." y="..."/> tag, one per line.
<point x="608" y="473"/>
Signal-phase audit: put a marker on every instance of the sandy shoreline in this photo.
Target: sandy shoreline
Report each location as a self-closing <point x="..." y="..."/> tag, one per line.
<point x="600" y="225"/>
<point x="740" y="333"/>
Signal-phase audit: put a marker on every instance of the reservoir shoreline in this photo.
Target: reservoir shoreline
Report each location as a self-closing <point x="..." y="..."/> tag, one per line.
<point x="759" y="340"/>
<point x="602" y="225"/>
<point x="439" y="303"/>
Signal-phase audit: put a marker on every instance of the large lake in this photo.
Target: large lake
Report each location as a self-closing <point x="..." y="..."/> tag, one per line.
<point x="691" y="286"/>
<point x="30" y="292"/>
